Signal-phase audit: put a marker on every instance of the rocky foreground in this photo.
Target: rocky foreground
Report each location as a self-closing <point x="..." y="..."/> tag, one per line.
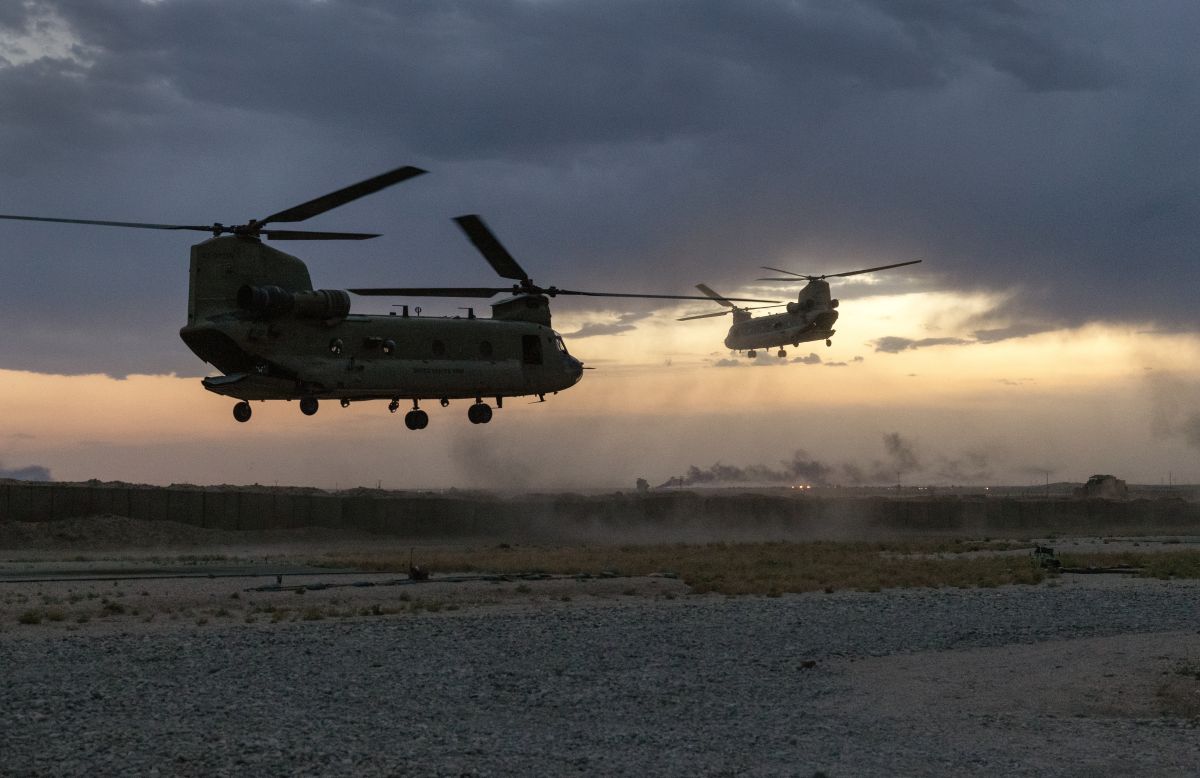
<point x="1087" y="675"/>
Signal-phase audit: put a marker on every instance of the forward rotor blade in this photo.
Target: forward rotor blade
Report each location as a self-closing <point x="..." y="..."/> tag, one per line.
<point x="725" y="312"/>
<point x="139" y="225"/>
<point x="298" y="213"/>
<point x="729" y="311"/>
<point x="801" y="278"/>
<point x="492" y="250"/>
<point x="552" y="291"/>
<point x="870" y="269"/>
<point x="435" y="291"/>
<point x="714" y="296"/>
<point x="306" y="235"/>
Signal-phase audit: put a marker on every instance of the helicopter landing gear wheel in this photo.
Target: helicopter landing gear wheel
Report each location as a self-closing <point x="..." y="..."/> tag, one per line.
<point x="416" y="419"/>
<point x="479" y="413"/>
<point x="782" y="354"/>
<point x="394" y="405"/>
<point x="345" y="402"/>
<point x="752" y="353"/>
<point x="308" y="405"/>
<point x="828" y="342"/>
<point x="242" y="411"/>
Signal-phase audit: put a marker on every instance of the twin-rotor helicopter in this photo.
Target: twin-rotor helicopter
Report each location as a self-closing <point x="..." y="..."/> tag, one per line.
<point x="254" y="315"/>
<point x="810" y="318"/>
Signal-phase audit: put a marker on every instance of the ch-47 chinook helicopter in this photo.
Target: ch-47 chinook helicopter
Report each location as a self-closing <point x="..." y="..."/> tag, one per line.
<point x="811" y="317"/>
<point x="254" y="315"/>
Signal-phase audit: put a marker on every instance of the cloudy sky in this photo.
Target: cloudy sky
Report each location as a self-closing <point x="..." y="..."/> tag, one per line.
<point x="1042" y="158"/>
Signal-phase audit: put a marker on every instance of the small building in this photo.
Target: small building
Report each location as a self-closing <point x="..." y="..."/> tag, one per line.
<point x="1107" y="486"/>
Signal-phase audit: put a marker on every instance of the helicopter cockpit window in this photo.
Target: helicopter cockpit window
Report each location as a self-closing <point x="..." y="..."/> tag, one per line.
<point x="531" y="350"/>
<point x="439" y="348"/>
<point x="558" y="343"/>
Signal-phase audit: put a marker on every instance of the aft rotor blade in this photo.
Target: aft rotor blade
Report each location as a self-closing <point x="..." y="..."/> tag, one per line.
<point x="139" y="225"/>
<point x="870" y="269"/>
<point x="306" y="235"/>
<point x="801" y="278"/>
<point x="319" y="205"/>
<point x="433" y="291"/>
<point x="492" y="249"/>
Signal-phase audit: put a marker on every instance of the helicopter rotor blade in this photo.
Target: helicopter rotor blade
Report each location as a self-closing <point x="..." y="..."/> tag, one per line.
<point x="437" y="291"/>
<point x="725" y="312"/>
<point x="871" y="269"/>
<point x="780" y="270"/>
<point x="552" y="291"/>
<point x="714" y="296"/>
<point x="801" y="277"/>
<point x="306" y="235"/>
<point x="319" y="205"/>
<point x="139" y="225"/>
<point x="729" y="311"/>
<point x="488" y="291"/>
<point x="491" y="248"/>
<point x="253" y="228"/>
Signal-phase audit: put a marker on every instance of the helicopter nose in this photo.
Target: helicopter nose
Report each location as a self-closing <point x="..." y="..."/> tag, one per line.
<point x="574" y="369"/>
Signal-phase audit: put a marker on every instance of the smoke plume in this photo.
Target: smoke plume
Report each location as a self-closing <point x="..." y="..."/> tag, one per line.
<point x="29" y="473"/>
<point x="901" y="458"/>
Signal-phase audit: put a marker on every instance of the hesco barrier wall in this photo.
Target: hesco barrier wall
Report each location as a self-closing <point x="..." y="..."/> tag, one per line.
<point x="669" y="515"/>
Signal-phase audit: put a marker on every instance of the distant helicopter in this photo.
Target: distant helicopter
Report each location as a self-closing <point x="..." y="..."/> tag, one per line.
<point x="254" y="315"/>
<point x="810" y="318"/>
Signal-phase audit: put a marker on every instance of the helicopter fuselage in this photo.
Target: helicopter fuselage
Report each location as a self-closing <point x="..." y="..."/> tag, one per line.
<point x="252" y="314"/>
<point x="810" y="318"/>
<point x="381" y="358"/>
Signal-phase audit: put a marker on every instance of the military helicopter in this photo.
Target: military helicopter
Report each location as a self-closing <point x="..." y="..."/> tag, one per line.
<point x="254" y="315"/>
<point x="810" y="318"/>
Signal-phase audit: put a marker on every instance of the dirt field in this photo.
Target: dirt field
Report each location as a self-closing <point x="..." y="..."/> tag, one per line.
<point x="1078" y="674"/>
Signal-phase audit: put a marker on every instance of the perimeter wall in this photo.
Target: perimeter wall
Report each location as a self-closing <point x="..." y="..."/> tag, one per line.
<point x="665" y="515"/>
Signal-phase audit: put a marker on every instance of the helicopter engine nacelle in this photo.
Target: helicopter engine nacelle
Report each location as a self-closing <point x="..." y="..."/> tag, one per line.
<point x="793" y="307"/>
<point x="272" y="301"/>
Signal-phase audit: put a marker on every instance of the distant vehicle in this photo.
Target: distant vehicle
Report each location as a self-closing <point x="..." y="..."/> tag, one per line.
<point x="810" y="318"/>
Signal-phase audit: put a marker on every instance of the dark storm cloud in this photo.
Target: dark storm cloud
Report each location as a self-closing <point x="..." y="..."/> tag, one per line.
<point x="1007" y="333"/>
<point x="624" y="323"/>
<point x="1046" y="148"/>
<point x="894" y="345"/>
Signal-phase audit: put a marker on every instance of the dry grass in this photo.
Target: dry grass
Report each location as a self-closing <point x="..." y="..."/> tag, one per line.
<point x="1159" y="564"/>
<point x="748" y="568"/>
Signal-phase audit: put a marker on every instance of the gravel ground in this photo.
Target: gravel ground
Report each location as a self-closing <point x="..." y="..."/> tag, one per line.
<point x="1089" y="675"/>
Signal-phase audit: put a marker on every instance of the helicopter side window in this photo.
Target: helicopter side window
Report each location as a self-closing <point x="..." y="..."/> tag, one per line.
<point x="531" y="349"/>
<point x="439" y="348"/>
<point x="485" y="349"/>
